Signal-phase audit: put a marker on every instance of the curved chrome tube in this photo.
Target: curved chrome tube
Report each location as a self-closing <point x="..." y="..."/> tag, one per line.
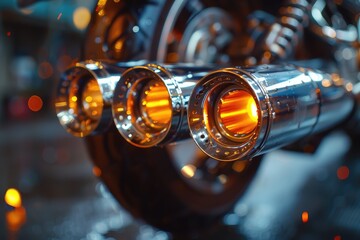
<point x="239" y="113"/>
<point x="150" y="103"/>
<point x="84" y="96"/>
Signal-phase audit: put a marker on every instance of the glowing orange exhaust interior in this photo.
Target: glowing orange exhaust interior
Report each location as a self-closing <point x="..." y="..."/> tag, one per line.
<point x="237" y="112"/>
<point x="156" y="105"/>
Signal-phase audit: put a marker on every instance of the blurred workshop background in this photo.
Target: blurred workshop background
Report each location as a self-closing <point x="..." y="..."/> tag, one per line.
<point x="60" y="198"/>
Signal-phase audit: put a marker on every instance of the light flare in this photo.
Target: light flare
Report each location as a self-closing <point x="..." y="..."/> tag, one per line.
<point x="13" y="198"/>
<point x="238" y="112"/>
<point x="156" y="104"/>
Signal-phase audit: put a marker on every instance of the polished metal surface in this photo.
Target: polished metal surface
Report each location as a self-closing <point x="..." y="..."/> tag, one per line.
<point x="206" y="36"/>
<point x="292" y="102"/>
<point x="71" y="102"/>
<point x="179" y="80"/>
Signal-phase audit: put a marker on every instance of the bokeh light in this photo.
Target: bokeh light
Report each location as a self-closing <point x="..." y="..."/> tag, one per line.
<point x="45" y="70"/>
<point x="13" y="198"/>
<point x="343" y="172"/>
<point x="35" y="103"/>
<point x="81" y="18"/>
<point x="15" y="218"/>
<point x="188" y="171"/>
<point x="337" y="237"/>
<point x="305" y="217"/>
<point x="96" y="171"/>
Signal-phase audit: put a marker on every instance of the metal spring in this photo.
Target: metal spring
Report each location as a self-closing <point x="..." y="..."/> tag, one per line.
<point x="284" y="35"/>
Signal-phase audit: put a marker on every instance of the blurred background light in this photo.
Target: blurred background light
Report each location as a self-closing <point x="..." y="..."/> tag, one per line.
<point x="81" y="18"/>
<point x="305" y="217"/>
<point x="343" y="172"/>
<point x="13" y="198"/>
<point x="35" y="103"/>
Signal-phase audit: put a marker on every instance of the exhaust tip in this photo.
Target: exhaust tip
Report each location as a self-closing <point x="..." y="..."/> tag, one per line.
<point x="225" y="116"/>
<point x="143" y="103"/>
<point x="79" y="101"/>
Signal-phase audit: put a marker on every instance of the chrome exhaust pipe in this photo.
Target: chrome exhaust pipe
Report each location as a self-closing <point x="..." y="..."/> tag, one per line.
<point x="84" y="96"/>
<point x="239" y="113"/>
<point x="150" y="103"/>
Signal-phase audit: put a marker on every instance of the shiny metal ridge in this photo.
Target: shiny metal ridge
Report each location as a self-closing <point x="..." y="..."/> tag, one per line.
<point x="132" y="115"/>
<point x="292" y="103"/>
<point x="84" y="96"/>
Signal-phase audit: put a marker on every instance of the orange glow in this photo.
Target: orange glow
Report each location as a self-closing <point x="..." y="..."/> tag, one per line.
<point x="156" y="105"/>
<point x="45" y="70"/>
<point x="59" y="16"/>
<point x="96" y="171"/>
<point x="35" y="103"/>
<point x="8" y="34"/>
<point x="305" y="217"/>
<point x="15" y="218"/>
<point x="13" y="198"/>
<point x="238" y="112"/>
<point x="343" y="172"/>
<point x="188" y="171"/>
<point x="92" y="100"/>
<point x="81" y="17"/>
<point x="239" y="166"/>
<point x="337" y="237"/>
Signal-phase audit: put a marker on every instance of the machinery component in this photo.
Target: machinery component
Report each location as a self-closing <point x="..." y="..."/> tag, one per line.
<point x="282" y="37"/>
<point x="150" y="103"/>
<point x="175" y="187"/>
<point x="338" y="34"/>
<point x="84" y="96"/>
<point x="239" y="113"/>
<point x="333" y="29"/>
<point x="205" y="38"/>
<point x="187" y="191"/>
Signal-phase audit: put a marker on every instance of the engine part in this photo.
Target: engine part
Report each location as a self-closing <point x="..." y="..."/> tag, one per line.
<point x="174" y="187"/>
<point x="150" y="103"/>
<point x="281" y="38"/>
<point x="239" y="113"/>
<point x="84" y="96"/>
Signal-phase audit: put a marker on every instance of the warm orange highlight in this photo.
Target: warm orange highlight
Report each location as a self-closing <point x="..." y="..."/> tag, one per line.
<point x="156" y="104"/>
<point x="238" y="112"/>
<point x="35" y="103"/>
<point x="343" y="172"/>
<point x="337" y="237"/>
<point x="305" y="217"/>
<point x="13" y="198"/>
<point x="96" y="171"/>
<point x="92" y="99"/>
<point x="15" y="218"/>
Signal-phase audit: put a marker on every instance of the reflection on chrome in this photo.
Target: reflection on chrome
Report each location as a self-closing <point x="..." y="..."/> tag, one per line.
<point x="84" y="96"/>
<point x="150" y="103"/>
<point x="239" y="113"/>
